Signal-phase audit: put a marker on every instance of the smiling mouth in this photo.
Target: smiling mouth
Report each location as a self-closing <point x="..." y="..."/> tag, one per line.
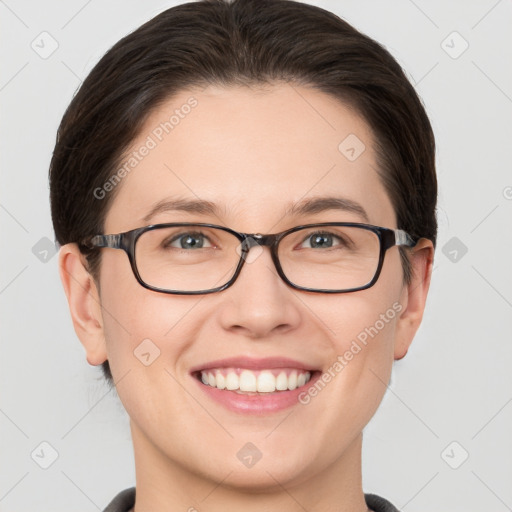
<point x="254" y="382"/>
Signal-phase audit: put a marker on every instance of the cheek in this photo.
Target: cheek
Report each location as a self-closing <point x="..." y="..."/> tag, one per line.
<point x="362" y="337"/>
<point x="363" y="323"/>
<point x="146" y="336"/>
<point x="361" y="331"/>
<point x="138" y="321"/>
<point x="370" y="325"/>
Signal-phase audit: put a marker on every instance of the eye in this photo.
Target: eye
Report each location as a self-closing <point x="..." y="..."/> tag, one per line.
<point x="195" y="240"/>
<point x="323" y="240"/>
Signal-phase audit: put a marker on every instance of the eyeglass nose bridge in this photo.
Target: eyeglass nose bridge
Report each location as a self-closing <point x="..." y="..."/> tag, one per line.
<point x="251" y="240"/>
<point x="257" y="240"/>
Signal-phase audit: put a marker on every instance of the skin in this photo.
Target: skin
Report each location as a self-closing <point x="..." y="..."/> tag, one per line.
<point x="252" y="151"/>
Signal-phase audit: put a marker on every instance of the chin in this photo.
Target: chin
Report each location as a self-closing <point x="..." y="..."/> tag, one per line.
<point x="262" y="479"/>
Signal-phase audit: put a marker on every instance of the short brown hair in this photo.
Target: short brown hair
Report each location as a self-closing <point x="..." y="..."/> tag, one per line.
<point x="239" y="42"/>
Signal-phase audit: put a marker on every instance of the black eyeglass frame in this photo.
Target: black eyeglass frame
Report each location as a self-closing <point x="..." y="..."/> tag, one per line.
<point x="126" y="241"/>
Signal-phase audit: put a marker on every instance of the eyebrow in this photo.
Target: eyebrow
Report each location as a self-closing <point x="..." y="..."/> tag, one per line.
<point x="322" y="204"/>
<point x="304" y="207"/>
<point x="198" y="206"/>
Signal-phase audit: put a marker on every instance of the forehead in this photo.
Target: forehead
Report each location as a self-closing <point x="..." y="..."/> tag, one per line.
<point x="253" y="152"/>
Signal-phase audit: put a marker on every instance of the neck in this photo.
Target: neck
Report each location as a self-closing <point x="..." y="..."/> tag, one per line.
<point x="165" y="484"/>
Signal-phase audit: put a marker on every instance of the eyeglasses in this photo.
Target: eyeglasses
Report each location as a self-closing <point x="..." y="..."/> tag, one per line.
<point x="191" y="259"/>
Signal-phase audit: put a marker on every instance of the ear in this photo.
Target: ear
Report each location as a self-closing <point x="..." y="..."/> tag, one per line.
<point x="414" y="296"/>
<point x="84" y="302"/>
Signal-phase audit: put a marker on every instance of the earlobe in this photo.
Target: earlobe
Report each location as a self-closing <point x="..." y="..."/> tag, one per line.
<point x="414" y="296"/>
<point x="84" y="303"/>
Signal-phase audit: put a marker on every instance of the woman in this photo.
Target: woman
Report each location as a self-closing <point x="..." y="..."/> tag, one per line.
<point x="245" y="198"/>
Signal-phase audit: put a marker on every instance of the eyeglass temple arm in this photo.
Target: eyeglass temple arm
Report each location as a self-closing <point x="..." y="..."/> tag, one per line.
<point x="403" y="238"/>
<point x="110" y="241"/>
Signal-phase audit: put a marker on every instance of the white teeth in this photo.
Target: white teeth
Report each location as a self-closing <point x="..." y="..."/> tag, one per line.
<point x="282" y="382"/>
<point x="266" y="382"/>
<point x="292" y="380"/>
<point x="248" y="381"/>
<point x="231" y="381"/>
<point x="221" y="381"/>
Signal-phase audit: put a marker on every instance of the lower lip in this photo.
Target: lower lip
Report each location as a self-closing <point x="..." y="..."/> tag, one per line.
<point x="257" y="404"/>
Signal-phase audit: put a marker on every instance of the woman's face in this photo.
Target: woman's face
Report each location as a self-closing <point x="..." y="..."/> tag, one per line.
<point x="253" y="152"/>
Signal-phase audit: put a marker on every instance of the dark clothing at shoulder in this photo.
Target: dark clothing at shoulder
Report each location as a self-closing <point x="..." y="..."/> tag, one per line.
<point x="378" y="504"/>
<point x="125" y="500"/>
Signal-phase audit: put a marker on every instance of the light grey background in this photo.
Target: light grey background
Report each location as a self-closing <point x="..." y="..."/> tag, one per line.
<point x="455" y="385"/>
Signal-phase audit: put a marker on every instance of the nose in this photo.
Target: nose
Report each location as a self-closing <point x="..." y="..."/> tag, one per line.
<point x="259" y="303"/>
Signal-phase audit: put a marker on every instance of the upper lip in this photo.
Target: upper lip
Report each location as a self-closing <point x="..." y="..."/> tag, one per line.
<point x="252" y="363"/>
